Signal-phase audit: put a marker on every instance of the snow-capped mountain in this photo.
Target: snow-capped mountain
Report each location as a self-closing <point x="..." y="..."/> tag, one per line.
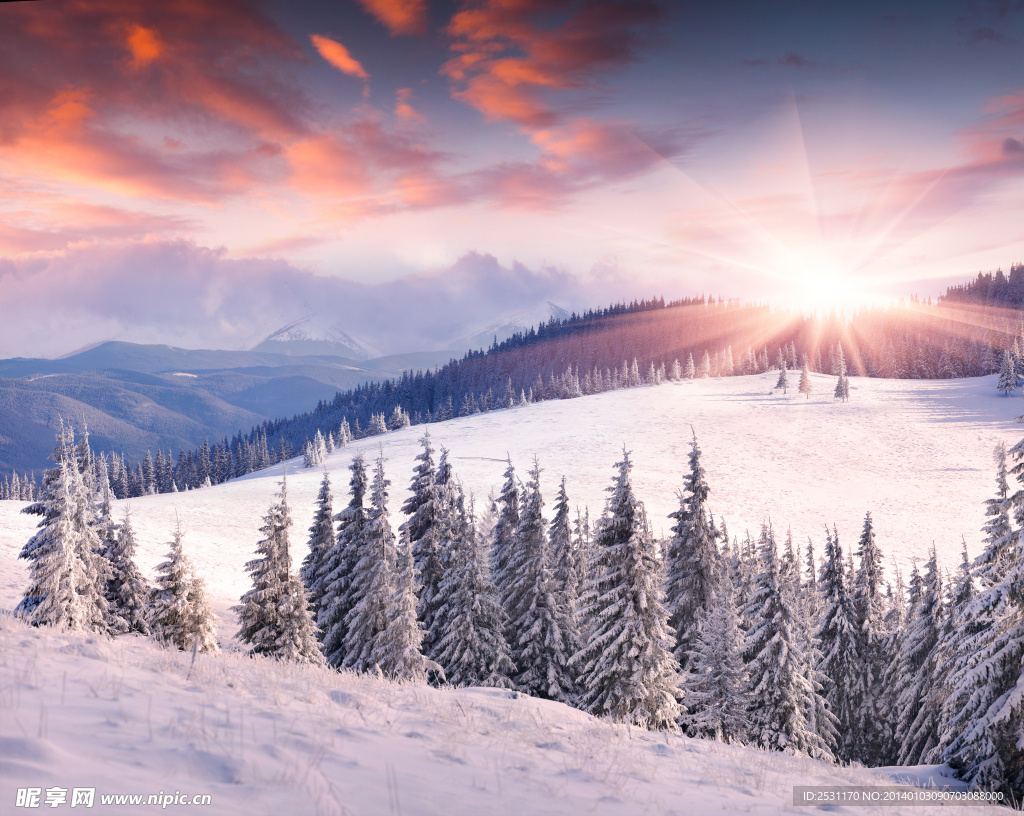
<point x="316" y="334"/>
<point x="481" y="336"/>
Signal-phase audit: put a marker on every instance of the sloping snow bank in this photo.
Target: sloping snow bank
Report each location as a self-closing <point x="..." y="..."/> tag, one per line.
<point x="260" y="737"/>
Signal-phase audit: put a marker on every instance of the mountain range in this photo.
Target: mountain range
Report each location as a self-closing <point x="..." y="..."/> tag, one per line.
<point x="136" y="397"/>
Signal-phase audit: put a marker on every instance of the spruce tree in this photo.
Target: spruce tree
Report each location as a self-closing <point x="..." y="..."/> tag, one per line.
<point x="806" y="386"/>
<point x="541" y="627"/>
<point x="127" y="589"/>
<point x="472" y="649"/>
<point x="427" y="549"/>
<point x="274" y="617"/>
<point x="715" y="687"/>
<point x="783" y="695"/>
<point x="504" y="533"/>
<point x="917" y="661"/>
<point x="626" y="669"/>
<point x="842" y="657"/>
<point x="398" y="650"/>
<point x="1007" y="375"/>
<point x="335" y="584"/>
<point x="321" y="542"/>
<point x="373" y="581"/>
<point x="67" y="570"/>
<point x="873" y="730"/>
<point x="783" y="381"/>
<point x="179" y="611"/>
<point x="691" y="370"/>
<point x="694" y="566"/>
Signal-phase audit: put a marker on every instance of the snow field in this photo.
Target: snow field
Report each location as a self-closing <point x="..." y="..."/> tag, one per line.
<point x="262" y="737"/>
<point x="916" y="453"/>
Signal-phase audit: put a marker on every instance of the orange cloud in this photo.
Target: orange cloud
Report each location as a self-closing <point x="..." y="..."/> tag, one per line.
<point x="144" y="45"/>
<point x="400" y="16"/>
<point x="509" y="55"/>
<point x="337" y="55"/>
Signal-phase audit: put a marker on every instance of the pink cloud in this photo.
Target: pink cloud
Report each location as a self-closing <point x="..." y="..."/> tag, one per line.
<point x="400" y="16"/>
<point x="338" y="56"/>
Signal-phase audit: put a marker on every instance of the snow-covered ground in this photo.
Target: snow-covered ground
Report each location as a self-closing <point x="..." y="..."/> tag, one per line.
<point x="124" y="717"/>
<point x="121" y="717"/>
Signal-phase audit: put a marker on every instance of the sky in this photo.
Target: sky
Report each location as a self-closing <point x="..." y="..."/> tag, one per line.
<point x="200" y="172"/>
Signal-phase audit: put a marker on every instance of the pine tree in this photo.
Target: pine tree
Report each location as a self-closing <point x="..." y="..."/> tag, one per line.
<point x="782" y="693"/>
<point x="694" y="566"/>
<point x="373" y="581"/>
<point x="398" y="651"/>
<point x="504" y="533"/>
<point x="626" y="669"/>
<point x="334" y="587"/>
<point x="715" y="687"/>
<point x="806" y="386"/>
<point x="783" y="381"/>
<point x="1007" y="375"/>
<point x="541" y="626"/>
<point x="127" y="589"/>
<point x="179" y="611"/>
<point x="841" y="653"/>
<point x="472" y="649"/>
<point x="691" y="371"/>
<point x="917" y="662"/>
<point x="67" y="570"/>
<point x="421" y="528"/>
<point x="321" y="542"/>
<point x="872" y="729"/>
<point x="274" y="617"/>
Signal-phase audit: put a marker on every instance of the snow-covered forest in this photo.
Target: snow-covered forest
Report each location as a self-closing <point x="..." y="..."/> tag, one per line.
<point x="755" y="638"/>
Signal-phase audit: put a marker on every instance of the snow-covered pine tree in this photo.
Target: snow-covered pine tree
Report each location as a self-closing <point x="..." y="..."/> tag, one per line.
<point x="782" y="693"/>
<point x="705" y="365"/>
<point x="504" y="533"/>
<point x="691" y="370"/>
<point x="472" y="649"/>
<point x="676" y="372"/>
<point x="694" y="567"/>
<point x="274" y="617"/>
<point x="715" y="684"/>
<point x="988" y="717"/>
<point x="917" y="662"/>
<point x="321" y="542"/>
<point x="178" y="609"/>
<point x="67" y="572"/>
<point x="958" y="629"/>
<point x="563" y="553"/>
<point x="127" y="589"/>
<point x="873" y="731"/>
<point x="783" y="381"/>
<point x="806" y="386"/>
<point x="373" y="581"/>
<point x="335" y="584"/>
<point x="427" y="548"/>
<point x="398" y="651"/>
<point x="839" y="643"/>
<point x="540" y="624"/>
<point x="626" y="669"/>
<point x="1007" y="375"/>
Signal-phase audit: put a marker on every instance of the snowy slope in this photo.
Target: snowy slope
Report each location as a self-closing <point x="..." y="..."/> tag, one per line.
<point x="916" y="453"/>
<point x="259" y="738"/>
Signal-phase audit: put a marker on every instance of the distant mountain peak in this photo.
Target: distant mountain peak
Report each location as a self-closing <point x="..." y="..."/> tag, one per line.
<point x="316" y="334"/>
